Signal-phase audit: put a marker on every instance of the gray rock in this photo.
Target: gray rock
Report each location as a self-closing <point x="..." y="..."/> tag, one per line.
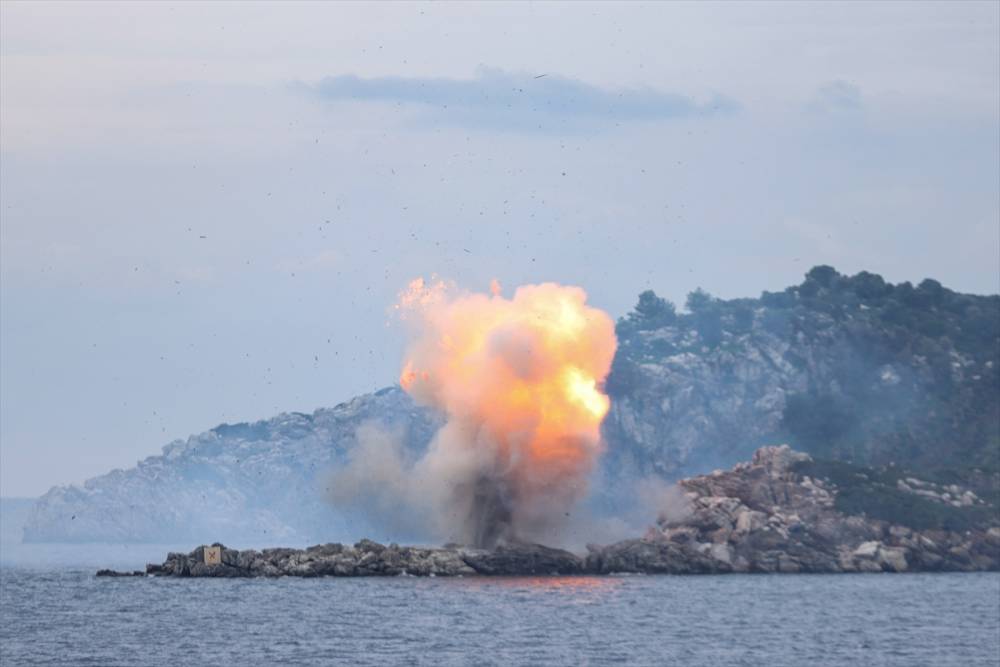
<point x="519" y="559"/>
<point x="893" y="558"/>
<point x="763" y="516"/>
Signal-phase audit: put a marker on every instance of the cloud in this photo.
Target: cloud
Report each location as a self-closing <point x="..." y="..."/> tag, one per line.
<point x="518" y="101"/>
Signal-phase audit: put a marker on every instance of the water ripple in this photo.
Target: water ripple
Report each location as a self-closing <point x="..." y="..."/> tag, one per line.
<point x="72" y="618"/>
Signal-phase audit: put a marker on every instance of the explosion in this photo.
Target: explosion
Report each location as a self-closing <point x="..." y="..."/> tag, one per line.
<point x="519" y="382"/>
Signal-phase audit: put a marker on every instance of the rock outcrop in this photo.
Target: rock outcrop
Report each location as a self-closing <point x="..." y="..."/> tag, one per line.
<point x="770" y="515"/>
<point x="777" y="513"/>
<point x="370" y="559"/>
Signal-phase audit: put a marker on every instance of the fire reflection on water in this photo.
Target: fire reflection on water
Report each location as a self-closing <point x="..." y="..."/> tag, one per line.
<point x="570" y="585"/>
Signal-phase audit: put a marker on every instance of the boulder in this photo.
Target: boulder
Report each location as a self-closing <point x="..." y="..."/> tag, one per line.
<point x="519" y="559"/>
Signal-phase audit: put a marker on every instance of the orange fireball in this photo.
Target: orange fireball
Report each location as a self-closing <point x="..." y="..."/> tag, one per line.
<point x="520" y="382"/>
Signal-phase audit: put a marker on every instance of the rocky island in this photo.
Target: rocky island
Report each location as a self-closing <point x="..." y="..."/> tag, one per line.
<point x="781" y="512"/>
<point x="845" y="368"/>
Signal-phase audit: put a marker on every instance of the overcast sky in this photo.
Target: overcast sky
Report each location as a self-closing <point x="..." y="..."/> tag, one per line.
<point x="208" y="209"/>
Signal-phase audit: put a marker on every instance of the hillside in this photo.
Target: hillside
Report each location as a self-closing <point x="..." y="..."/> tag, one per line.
<point x="259" y="483"/>
<point x="850" y="369"/>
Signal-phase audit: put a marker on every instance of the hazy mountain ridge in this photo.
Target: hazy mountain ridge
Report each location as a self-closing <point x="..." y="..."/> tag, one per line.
<point x="262" y="482"/>
<point x="846" y="368"/>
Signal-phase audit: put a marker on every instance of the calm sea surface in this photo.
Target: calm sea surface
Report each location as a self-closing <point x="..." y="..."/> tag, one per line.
<point x="69" y="617"/>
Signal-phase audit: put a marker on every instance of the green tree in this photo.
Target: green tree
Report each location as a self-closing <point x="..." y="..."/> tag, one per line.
<point x="699" y="300"/>
<point x="823" y="275"/>
<point x="654" y="310"/>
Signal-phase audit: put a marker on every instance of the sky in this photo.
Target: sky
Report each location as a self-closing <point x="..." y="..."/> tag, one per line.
<point x="207" y="210"/>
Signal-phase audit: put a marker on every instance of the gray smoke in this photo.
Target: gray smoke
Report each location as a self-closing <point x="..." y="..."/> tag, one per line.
<point x="447" y="495"/>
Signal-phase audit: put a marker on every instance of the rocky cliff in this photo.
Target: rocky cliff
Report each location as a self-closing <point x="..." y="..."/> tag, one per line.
<point x="848" y="368"/>
<point x="781" y="512"/>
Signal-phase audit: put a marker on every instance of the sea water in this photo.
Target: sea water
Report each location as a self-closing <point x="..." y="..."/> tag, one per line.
<point x="58" y="615"/>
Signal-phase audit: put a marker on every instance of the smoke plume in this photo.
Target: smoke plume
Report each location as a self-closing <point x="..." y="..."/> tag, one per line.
<point x="519" y="382"/>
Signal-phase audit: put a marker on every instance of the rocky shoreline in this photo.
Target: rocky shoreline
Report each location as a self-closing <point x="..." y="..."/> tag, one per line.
<point x="784" y="512"/>
<point x="781" y="512"/>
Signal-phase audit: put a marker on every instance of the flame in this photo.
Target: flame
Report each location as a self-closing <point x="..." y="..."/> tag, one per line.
<point x="583" y="390"/>
<point x="519" y="380"/>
